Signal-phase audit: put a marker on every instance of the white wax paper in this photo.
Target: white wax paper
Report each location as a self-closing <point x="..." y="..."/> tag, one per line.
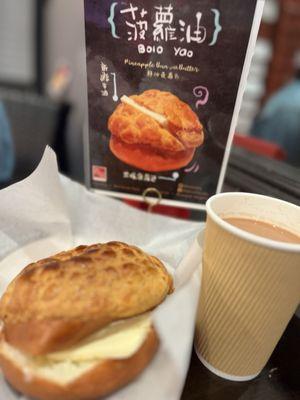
<point x="47" y="213"/>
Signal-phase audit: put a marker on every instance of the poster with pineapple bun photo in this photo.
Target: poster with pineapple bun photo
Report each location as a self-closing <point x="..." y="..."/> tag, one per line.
<point x="165" y="83"/>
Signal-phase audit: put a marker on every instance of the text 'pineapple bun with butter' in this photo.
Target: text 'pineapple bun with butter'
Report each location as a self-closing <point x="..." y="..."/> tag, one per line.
<point x="76" y="326"/>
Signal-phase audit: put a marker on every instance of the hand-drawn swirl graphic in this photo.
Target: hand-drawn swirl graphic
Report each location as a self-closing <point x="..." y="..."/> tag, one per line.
<point x="193" y="169"/>
<point x="111" y="20"/>
<point x="202" y="93"/>
<point x="218" y="27"/>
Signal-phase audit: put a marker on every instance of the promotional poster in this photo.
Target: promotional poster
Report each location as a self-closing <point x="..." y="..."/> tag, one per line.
<point x="165" y="81"/>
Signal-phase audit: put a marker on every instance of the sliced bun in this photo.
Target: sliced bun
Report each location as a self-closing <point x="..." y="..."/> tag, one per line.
<point x="155" y="131"/>
<point x="104" y="378"/>
<point x="55" y="302"/>
<point x="148" y="159"/>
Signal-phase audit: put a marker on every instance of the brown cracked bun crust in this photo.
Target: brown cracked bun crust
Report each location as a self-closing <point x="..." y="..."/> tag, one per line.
<point x="139" y="140"/>
<point x="54" y="303"/>
<point x="102" y="379"/>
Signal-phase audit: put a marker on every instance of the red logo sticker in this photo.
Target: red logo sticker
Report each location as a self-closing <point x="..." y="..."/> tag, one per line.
<point x="99" y="173"/>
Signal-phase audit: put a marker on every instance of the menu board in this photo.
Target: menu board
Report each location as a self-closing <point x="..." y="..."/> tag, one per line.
<point x="165" y="83"/>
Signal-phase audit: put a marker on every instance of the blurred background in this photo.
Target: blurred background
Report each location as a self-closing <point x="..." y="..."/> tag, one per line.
<point x="43" y="96"/>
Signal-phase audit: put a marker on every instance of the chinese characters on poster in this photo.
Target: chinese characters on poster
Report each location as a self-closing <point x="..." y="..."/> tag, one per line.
<point x="163" y="79"/>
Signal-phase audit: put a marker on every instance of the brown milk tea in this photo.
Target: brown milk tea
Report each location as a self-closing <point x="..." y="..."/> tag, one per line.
<point x="264" y="229"/>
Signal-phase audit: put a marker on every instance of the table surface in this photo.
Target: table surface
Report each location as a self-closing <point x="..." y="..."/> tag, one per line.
<point x="279" y="380"/>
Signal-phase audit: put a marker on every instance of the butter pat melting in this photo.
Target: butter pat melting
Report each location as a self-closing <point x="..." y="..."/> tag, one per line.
<point x="120" y="340"/>
<point x="157" y="117"/>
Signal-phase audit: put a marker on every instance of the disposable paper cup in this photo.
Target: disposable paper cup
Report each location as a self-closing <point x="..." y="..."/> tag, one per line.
<point x="250" y="285"/>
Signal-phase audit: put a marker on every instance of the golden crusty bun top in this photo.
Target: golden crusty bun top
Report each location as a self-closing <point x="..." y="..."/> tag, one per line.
<point x="57" y="301"/>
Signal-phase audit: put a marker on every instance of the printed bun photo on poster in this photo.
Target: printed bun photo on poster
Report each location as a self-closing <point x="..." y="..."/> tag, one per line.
<point x="155" y="131"/>
<point x="165" y="82"/>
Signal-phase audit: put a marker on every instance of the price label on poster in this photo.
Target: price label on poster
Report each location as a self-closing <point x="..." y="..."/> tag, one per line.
<point x="165" y="82"/>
